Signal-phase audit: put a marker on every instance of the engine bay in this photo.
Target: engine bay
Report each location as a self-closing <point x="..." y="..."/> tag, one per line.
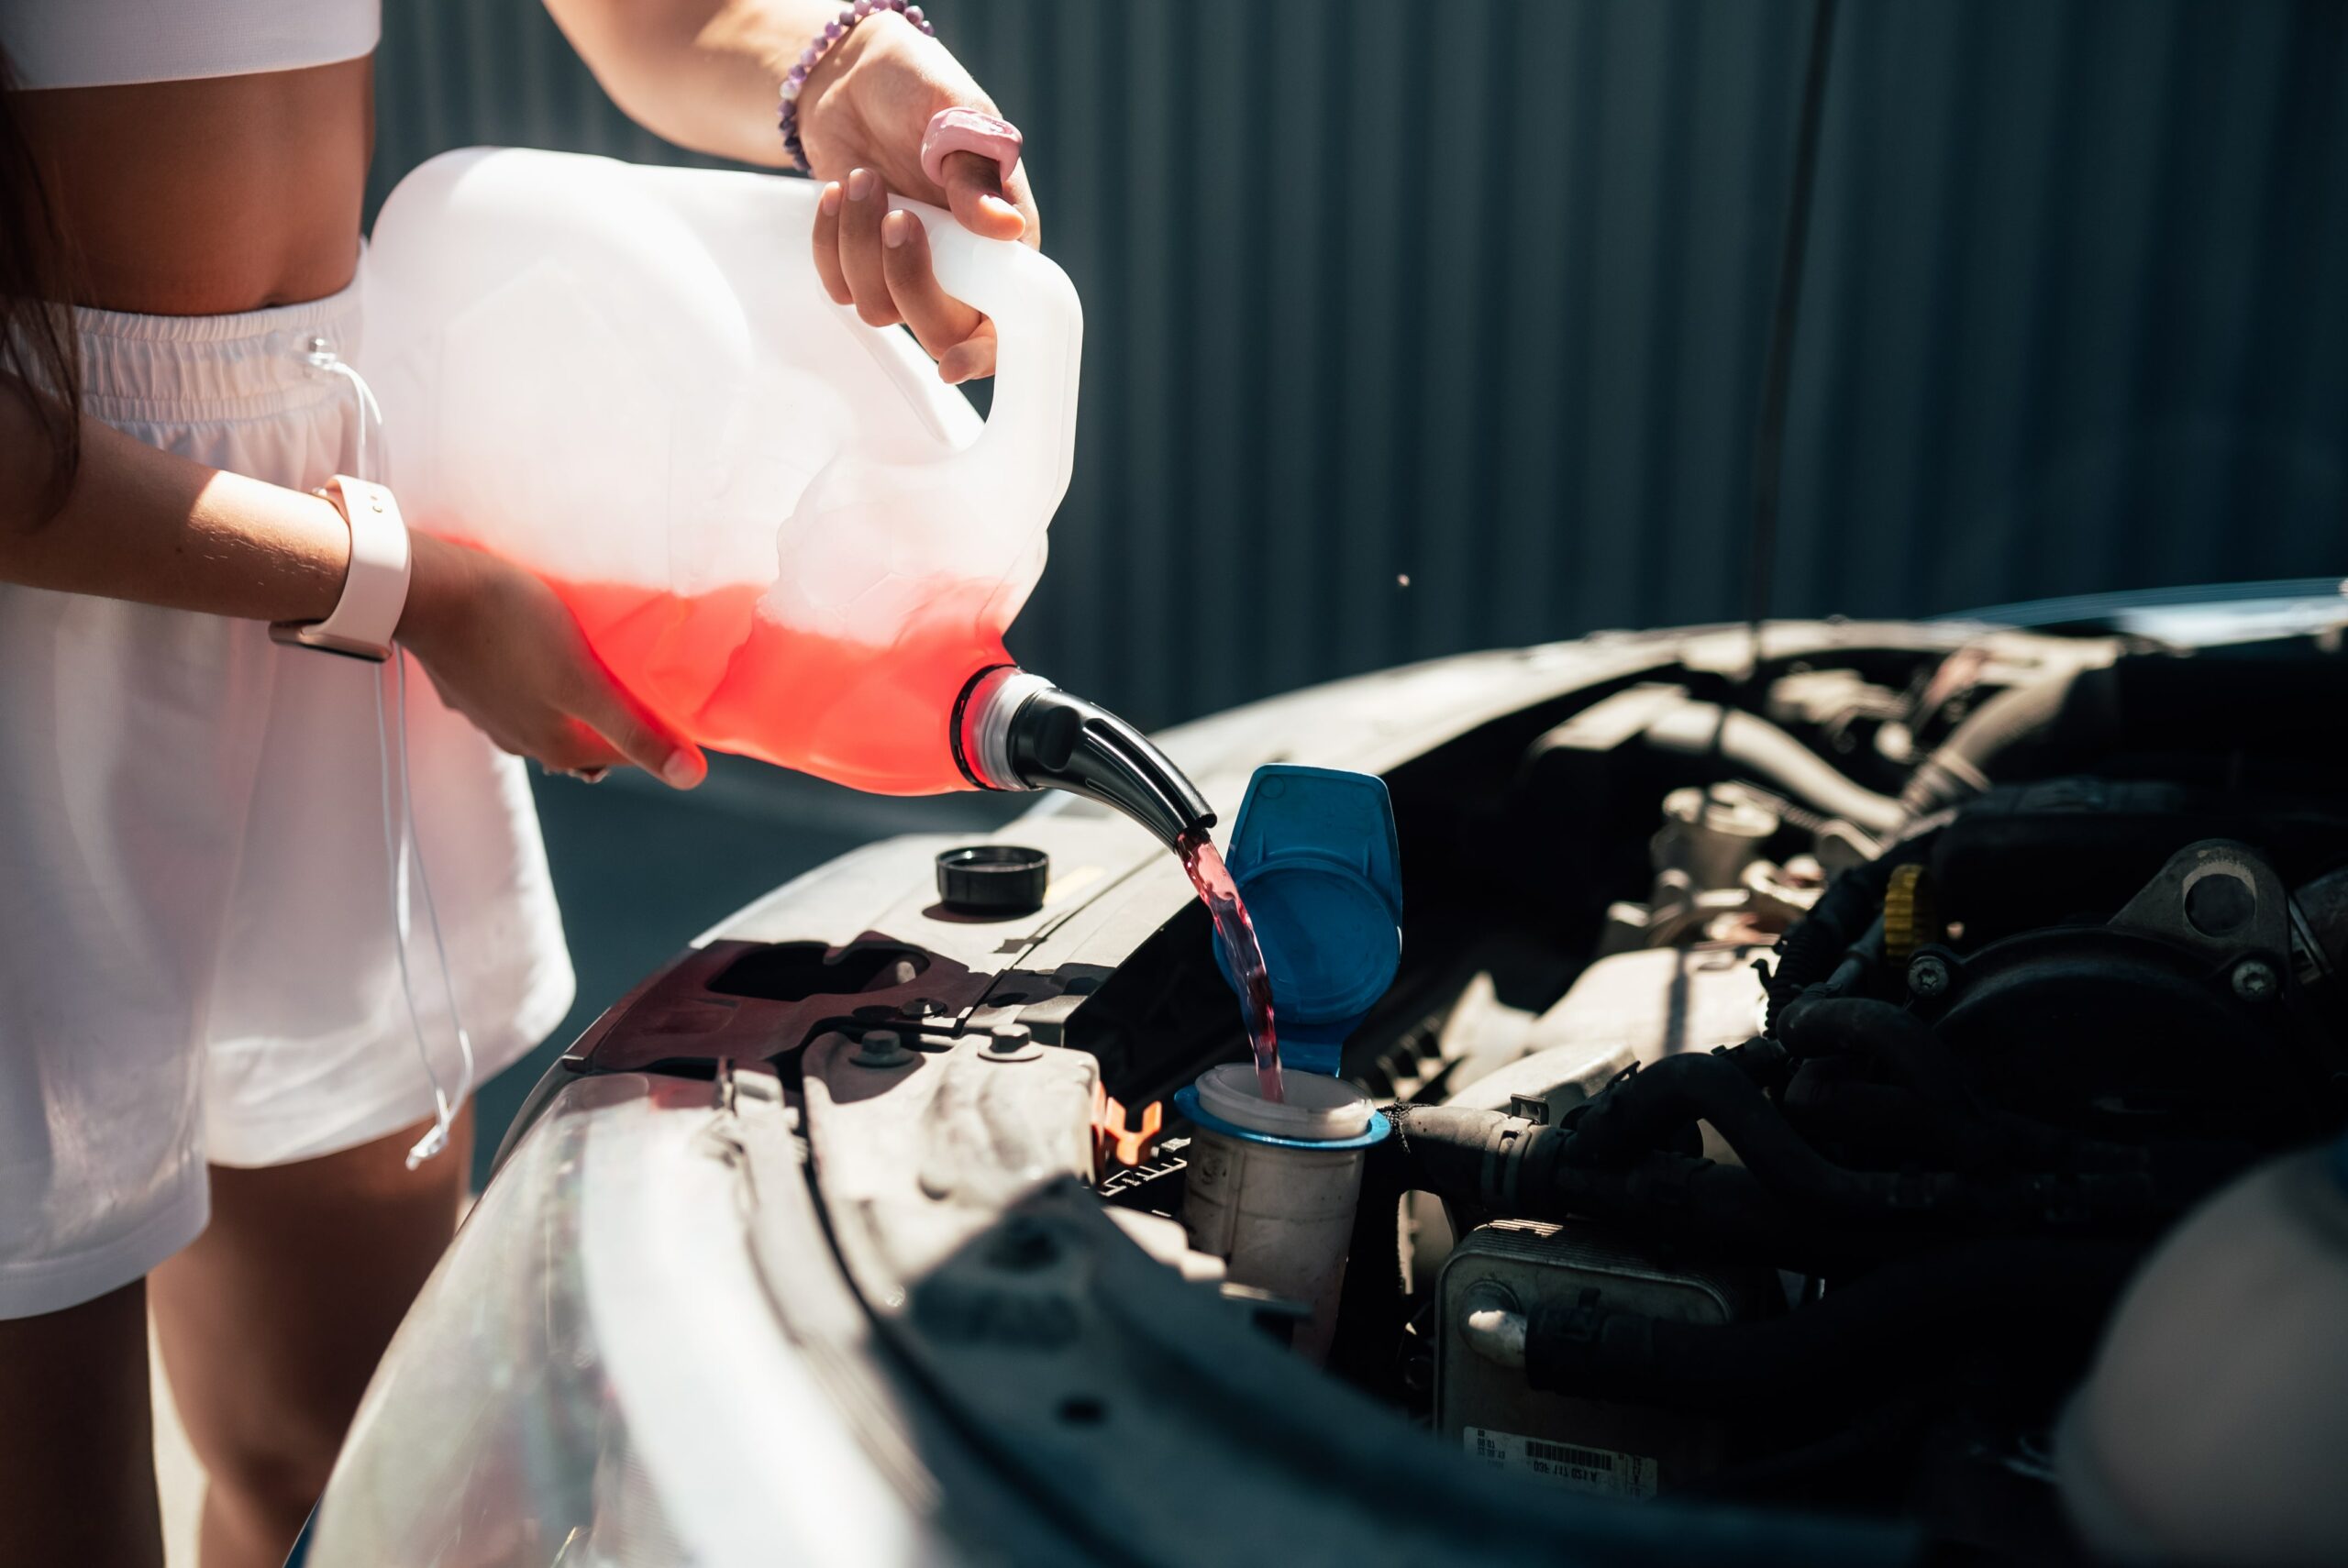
<point x="1790" y="1073"/>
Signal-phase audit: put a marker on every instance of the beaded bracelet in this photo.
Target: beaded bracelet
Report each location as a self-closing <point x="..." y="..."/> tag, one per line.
<point x="834" y="31"/>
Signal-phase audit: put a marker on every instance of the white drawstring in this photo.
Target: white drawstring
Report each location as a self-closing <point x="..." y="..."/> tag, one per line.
<point x="400" y="838"/>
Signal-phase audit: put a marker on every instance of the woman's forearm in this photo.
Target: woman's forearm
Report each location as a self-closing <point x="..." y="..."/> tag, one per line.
<point x="702" y="73"/>
<point x="144" y="525"/>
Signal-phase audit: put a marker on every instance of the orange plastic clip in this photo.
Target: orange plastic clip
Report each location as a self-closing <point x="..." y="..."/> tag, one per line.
<point x="1128" y="1145"/>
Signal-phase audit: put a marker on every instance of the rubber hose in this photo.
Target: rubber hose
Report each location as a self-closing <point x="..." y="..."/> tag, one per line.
<point x="1815" y="944"/>
<point x="2164" y="700"/>
<point x="1905" y="1322"/>
<point x="1995" y="737"/>
<point x="1754" y="744"/>
<point x="1909" y="1048"/>
<point x="1634" y="1115"/>
<point x="1498" y="1164"/>
<point x="2175" y="1173"/>
<point x="1721" y="1211"/>
<point x="1815" y="1026"/>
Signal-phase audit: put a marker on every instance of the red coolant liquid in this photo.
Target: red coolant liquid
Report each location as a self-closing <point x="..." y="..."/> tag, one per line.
<point x="1237" y="934"/>
<point x="874" y="716"/>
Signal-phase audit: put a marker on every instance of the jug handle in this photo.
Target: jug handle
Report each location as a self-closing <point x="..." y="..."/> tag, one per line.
<point x="1030" y="433"/>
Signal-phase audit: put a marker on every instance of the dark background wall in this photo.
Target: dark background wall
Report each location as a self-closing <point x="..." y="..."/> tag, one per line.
<point x="1475" y="293"/>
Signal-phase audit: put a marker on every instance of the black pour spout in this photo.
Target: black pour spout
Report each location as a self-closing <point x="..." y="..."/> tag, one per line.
<point x="1017" y="731"/>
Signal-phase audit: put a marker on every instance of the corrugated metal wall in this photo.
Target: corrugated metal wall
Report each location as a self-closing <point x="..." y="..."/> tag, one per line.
<point x="1475" y="293"/>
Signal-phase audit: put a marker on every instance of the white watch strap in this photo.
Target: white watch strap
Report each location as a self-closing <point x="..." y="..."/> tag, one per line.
<point x="374" y="590"/>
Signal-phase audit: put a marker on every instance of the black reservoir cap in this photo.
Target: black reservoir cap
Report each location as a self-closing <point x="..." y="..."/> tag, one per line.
<point x="1001" y="880"/>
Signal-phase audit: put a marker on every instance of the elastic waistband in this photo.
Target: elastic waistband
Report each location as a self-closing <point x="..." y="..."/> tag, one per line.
<point x="187" y="370"/>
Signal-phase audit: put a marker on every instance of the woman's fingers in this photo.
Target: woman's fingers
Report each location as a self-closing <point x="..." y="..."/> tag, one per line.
<point x="638" y="736"/>
<point x="974" y="191"/>
<point x="860" y="215"/>
<point x="970" y="360"/>
<point x="938" y="319"/>
<point x="880" y="261"/>
<point x="575" y="748"/>
<point x="827" y="243"/>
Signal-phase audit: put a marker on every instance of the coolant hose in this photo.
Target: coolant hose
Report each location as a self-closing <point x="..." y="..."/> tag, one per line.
<point x="2001" y="733"/>
<point x="1499" y="1164"/>
<point x="2173" y="1174"/>
<point x="1823" y="1025"/>
<point x="2161" y="701"/>
<point x="1900" y="1324"/>
<point x="1494" y="1164"/>
<point x="1699" y="729"/>
<point x="1636" y="1115"/>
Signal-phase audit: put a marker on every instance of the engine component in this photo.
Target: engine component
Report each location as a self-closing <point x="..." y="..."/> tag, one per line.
<point x="1514" y="1271"/>
<point x="1760" y="748"/>
<point x="2164" y="702"/>
<point x="1711" y="879"/>
<point x="1910" y="912"/>
<point x="2214" y="1427"/>
<point x="2072" y="848"/>
<point x="1711" y="835"/>
<point x="1665" y="719"/>
<point x="1916" y="1321"/>
<point x="1844" y="707"/>
<point x="2178" y="1016"/>
<point x="1626" y="1009"/>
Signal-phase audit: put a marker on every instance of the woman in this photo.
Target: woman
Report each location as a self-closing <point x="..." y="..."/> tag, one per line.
<point x="201" y="1013"/>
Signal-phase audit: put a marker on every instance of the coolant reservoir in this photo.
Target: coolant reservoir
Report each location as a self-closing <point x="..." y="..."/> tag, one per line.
<point x="776" y="527"/>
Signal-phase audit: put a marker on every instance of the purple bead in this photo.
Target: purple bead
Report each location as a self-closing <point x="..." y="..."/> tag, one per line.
<point x="832" y="30"/>
<point x="863" y="7"/>
<point x="912" y="14"/>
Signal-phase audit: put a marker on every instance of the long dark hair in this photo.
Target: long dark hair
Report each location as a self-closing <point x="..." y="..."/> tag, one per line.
<point x="40" y="356"/>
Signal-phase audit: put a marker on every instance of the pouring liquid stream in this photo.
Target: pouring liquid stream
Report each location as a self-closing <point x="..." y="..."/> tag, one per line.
<point x="1237" y="934"/>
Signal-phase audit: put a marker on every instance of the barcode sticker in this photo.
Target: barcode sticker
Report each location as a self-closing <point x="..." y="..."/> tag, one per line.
<point x="1573" y="1467"/>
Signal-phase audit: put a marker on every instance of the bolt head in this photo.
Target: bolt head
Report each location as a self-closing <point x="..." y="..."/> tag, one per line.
<point x="1927" y="975"/>
<point x="2255" y="981"/>
<point x="882" y="1048"/>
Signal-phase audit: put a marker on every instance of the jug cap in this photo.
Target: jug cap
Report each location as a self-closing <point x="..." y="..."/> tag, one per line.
<point x="1313" y="853"/>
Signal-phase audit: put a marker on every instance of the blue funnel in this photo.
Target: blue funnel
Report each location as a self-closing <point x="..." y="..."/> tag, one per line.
<point x="1313" y="853"/>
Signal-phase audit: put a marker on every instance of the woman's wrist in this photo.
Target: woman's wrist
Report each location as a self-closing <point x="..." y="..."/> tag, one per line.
<point x="442" y="578"/>
<point x="325" y="533"/>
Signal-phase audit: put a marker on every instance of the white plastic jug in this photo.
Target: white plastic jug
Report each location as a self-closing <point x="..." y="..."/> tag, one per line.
<point x="776" y="526"/>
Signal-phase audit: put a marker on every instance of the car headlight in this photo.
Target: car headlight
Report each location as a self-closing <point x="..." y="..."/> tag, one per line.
<point x="597" y="1373"/>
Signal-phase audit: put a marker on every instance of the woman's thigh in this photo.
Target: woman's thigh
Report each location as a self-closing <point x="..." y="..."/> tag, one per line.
<point x="273" y="1322"/>
<point x="77" y="1443"/>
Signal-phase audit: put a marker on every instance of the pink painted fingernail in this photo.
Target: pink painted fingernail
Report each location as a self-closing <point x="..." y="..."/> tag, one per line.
<point x="681" y="770"/>
<point x="828" y="204"/>
<point x="895" y="229"/>
<point x="859" y="184"/>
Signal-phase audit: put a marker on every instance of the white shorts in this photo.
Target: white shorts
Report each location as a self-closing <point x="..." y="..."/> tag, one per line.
<point x="197" y="959"/>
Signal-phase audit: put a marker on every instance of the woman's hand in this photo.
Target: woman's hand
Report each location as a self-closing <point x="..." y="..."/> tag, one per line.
<point x="507" y="654"/>
<point x="861" y="120"/>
